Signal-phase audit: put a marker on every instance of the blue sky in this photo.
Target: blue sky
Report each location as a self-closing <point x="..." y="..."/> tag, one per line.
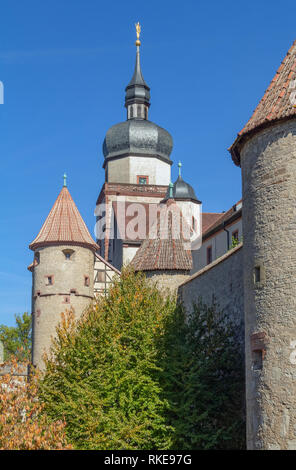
<point x="65" y="64"/>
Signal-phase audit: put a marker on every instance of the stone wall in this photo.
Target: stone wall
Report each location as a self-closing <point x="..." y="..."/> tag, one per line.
<point x="268" y="162"/>
<point x="167" y="280"/>
<point x="69" y="290"/>
<point x="222" y="279"/>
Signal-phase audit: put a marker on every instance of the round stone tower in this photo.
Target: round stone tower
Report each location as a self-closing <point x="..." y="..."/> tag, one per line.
<point x="62" y="269"/>
<point x="266" y="151"/>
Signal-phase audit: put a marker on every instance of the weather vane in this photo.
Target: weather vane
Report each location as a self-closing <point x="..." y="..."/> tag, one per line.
<point x="138" y="30"/>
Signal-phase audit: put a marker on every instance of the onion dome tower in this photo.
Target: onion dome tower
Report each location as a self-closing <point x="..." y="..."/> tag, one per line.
<point x="62" y="270"/>
<point x="265" y="149"/>
<point x="137" y="167"/>
<point x="137" y="148"/>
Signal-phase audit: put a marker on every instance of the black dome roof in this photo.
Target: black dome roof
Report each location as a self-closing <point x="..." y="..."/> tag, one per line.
<point x="181" y="190"/>
<point x="138" y="136"/>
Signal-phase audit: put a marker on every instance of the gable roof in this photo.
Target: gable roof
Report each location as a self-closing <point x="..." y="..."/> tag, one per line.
<point x="64" y="224"/>
<point x="276" y="104"/>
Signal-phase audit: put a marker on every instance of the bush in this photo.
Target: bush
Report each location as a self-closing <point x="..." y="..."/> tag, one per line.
<point x="23" y="423"/>
<point x="204" y="380"/>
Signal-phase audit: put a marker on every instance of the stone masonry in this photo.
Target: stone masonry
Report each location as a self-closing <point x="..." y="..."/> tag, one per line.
<point x="69" y="290"/>
<point x="268" y="162"/>
<point x="222" y="280"/>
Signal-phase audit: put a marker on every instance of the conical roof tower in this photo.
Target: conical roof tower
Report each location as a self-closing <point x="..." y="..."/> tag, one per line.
<point x="64" y="225"/>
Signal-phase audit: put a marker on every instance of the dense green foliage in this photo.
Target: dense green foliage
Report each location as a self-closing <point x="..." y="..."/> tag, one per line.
<point x="132" y="374"/>
<point x="104" y="374"/>
<point x="17" y="339"/>
<point x="204" y="380"/>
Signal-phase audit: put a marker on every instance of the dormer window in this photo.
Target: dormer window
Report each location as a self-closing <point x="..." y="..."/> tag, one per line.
<point x="68" y="254"/>
<point x="142" y="179"/>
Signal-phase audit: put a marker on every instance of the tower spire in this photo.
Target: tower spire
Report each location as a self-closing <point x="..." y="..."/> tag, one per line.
<point x="137" y="97"/>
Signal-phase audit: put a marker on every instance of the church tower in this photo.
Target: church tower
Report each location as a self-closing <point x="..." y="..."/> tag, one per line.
<point x="266" y="151"/>
<point x="62" y="271"/>
<point x="137" y="170"/>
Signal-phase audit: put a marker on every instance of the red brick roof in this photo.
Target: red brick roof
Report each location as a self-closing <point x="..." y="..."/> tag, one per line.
<point x="64" y="224"/>
<point x="163" y="252"/>
<point x="276" y="103"/>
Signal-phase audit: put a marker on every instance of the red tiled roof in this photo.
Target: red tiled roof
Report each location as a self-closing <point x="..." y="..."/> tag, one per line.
<point x="64" y="224"/>
<point x="208" y="218"/>
<point x="276" y="103"/>
<point x="163" y="252"/>
<point x="224" y="217"/>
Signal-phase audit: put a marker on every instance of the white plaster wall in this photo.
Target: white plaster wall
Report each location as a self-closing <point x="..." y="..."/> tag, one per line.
<point x="219" y="246"/>
<point x="158" y="171"/>
<point x="126" y="170"/>
<point x="128" y="253"/>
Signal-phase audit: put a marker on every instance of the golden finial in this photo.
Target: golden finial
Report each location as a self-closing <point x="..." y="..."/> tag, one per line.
<point x="138" y="30"/>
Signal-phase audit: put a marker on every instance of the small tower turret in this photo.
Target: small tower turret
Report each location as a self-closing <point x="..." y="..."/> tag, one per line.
<point x="62" y="269"/>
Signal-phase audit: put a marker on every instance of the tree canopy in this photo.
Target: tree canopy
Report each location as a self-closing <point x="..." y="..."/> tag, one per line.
<point x="17" y="339"/>
<point x="136" y="373"/>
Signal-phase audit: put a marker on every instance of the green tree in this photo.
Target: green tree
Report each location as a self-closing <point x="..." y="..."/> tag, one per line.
<point x="17" y="339"/>
<point x="135" y="372"/>
<point x="204" y="380"/>
<point x="103" y="374"/>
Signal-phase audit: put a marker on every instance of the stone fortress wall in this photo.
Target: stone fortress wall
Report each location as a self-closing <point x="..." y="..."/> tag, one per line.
<point x="222" y="280"/>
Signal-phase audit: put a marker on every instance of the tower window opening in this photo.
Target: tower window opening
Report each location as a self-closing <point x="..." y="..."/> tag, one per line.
<point x="142" y="179"/>
<point x="131" y="112"/>
<point x="209" y="254"/>
<point x="146" y="113"/>
<point x="37" y="257"/>
<point x="68" y="254"/>
<point x="257" y="359"/>
<point x="193" y="223"/>
<point x="86" y="281"/>
<point x="66" y="299"/>
<point x="49" y="280"/>
<point x="257" y="274"/>
<point x="139" y="111"/>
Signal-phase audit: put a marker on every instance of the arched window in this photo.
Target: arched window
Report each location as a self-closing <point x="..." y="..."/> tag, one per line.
<point x="139" y="110"/>
<point x="131" y="112"/>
